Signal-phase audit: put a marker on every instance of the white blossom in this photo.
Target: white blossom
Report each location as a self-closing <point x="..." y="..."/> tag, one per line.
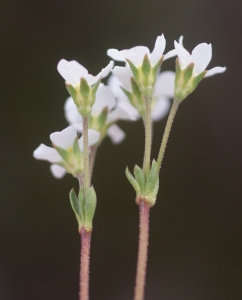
<point x="65" y="140"/>
<point x="163" y="91"/>
<point x="136" y="54"/>
<point x="104" y="98"/>
<point x="200" y="56"/>
<point x="72" y="72"/>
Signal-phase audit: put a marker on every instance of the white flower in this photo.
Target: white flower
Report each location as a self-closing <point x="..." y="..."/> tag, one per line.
<point x="201" y="56"/>
<point x="136" y="54"/>
<point x="65" y="140"/>
<point x="104" y="99"/>
<point x="163" y="91"/>
<point x="72" y="72"/>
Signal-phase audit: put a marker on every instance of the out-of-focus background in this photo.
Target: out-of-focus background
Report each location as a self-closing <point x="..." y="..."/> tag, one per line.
<point x="196" y="225"/>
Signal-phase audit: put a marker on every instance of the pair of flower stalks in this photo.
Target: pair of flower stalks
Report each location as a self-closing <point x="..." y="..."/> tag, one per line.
<point x="136" y="90"/>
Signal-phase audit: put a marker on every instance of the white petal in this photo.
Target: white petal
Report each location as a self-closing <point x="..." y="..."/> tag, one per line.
<point x="44" y="152"/>
<point x="71" y="113"/>
<point x="215" y="70"/>
<point x="57" y="171"/>
<point x="105" y="71"/>
<point x="136" y="54"/>
<point x="114" y="84"/>
<point x="115" y="54"/>
<point x="64" y="138"/>
<point x="180" y="41"/>
<point x="71" y="71"/>
<point x="184" y="56"/>
<point x="104" y="98"/>
<point x="124" y="75"/>
<point x="116" y="134"/>
<point x="201" y="56"/>
<point x="165" y="84"/>
<point x="93" y="137"/>
<point x="161" y="109"/>
<point x="159" y="48"/>
<point x="132" y="112"/>
<point x="170" y="54"/>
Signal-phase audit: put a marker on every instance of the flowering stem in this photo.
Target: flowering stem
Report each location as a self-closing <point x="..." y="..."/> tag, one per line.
<point x="146" y="164"/>
<point x="144" y="210"/>
<point x="92" y="160"/>
<point x="86" y="153"/>
<point x="171" y="117"/>
<point x="84" y="265"/>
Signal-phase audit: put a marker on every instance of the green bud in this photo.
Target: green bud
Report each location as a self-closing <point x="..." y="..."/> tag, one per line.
<point x="89" y="208"/>
<point x="185" y="81"/>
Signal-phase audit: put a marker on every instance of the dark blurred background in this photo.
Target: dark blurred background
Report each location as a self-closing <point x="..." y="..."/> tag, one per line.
<point x="196" y="225"/>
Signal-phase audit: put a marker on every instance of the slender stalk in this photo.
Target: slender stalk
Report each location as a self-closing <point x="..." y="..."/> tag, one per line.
<point x="84" y="265"/>
<point x="86" y="153"/>
<point x="171" y="117"/>
<point x="92" y="160"/>
<point x="146" y="164"/>
<point x="144" y="210"/>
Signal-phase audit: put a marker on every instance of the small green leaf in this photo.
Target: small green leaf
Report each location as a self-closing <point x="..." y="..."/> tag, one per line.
<point x="133" y="181"/>
<point x="135" y="88"/>
<point x="133" y="69"/>
<point x="71" y="90"/>
<point x="198" y="78"/>
<point x="139" y="176"/>
<point x="90" y="206"/>
<point x="156" y="67"/>
<point x="76" y="207"/>
<point x="152" y="178"/>
<point x="94" y="91"/>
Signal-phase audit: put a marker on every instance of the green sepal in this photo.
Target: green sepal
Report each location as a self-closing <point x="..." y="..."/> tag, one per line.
<point x="94" y="91"/>
<point x="187" y="74"/>
<point x="84" y="90"/>
<point x="198" y="78"/>
<point x="130" y="96"/>
<point x="82" y="203"/>
<point x="146" y="68"/>
<point x="75" y="204"/>
<point x="76" y="148"/>
<point x="140" y="178"/>
<point x="63" y="152"/>
<point x="133" y="181"/>
<point x="134" y="70"/>
<point x="135" y="88"/>
<point x="89" y="207"/>
<point x="71" y="90"/>
<point x="102" y="117"/>
<point x="157" y="66"/>
<point x="152" y="178"/>
<point x="178" y="68"/>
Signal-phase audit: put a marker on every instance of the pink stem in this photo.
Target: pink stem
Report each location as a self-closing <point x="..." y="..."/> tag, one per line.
<point x="85" y="258"/>
<point x="144" y="210"/>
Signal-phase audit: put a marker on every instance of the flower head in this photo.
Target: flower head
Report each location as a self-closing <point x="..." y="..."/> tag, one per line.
<point x="82" y="86"/>
<point x="66" y="156"/>
<point x="191" y="68"/>
<point x="143" y="63"/>
<point x="105" y="113"/>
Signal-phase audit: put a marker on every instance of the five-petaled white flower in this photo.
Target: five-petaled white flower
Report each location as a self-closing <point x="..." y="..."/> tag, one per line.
<point x="72" y="72"/>
<point x="104" y="99"/>
<point x="163" y="91"/>
<point x="64" y="139"/>
<point x="201" y="56"/>
<point x="136" y="54"/>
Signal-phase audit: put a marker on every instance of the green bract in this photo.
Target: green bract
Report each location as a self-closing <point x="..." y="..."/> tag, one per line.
<point x="146" y="188"/>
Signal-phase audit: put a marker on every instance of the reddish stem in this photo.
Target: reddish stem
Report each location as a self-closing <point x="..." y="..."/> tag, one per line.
<point x="144" y="210"/>
<point x="84" y="265"/>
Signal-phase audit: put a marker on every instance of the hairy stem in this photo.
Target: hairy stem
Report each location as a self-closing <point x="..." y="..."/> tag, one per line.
<point x="146" y="164"/>
<point x="144" y="210"/>
<point x="171" y="117"/>
<point x="86" y="154"/>
<point x="92" y="160"/>
<point x="84" y="265"/>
